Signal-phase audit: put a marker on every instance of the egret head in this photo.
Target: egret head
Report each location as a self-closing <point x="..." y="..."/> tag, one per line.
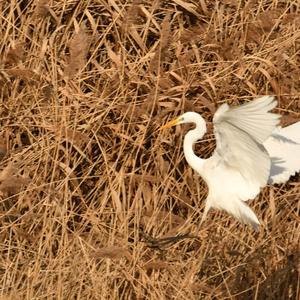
<point x="188" y="117"/>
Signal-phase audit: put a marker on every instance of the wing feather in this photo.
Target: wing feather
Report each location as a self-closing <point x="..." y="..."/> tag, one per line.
<point x="254" y="117"/>
<point x="284" y="149"/>
<point x="240" y="133"/>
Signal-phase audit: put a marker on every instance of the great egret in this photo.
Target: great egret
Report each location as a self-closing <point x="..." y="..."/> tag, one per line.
<point x="251" y="151"/>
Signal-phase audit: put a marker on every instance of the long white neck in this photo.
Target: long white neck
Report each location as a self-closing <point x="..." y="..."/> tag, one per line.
<point x="189" y="140"/>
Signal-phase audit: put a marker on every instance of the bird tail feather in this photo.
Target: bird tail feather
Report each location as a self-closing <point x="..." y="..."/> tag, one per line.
<point x="241" y="211"/>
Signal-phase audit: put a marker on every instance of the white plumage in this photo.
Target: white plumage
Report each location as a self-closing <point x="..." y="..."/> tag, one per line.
<point x="251" y="151"/>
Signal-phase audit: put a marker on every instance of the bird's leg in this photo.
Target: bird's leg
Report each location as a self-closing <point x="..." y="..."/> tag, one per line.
<point x="162" y="243"/>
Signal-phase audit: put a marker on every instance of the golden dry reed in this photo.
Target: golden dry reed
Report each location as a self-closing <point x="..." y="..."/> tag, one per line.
<point x="95" y="202"/>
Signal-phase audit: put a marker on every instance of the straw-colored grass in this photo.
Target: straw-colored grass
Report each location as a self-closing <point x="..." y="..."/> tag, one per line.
<point x="87" y="182"/>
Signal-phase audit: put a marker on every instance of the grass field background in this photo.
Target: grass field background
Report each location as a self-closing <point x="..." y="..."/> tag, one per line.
<point x="87" y="183"/>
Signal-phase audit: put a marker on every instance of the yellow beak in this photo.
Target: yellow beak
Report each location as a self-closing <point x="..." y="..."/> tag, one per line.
<point x="170" y="124"/>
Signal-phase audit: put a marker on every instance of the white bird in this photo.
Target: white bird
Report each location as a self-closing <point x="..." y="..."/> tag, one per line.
<point x="251" y="151"/>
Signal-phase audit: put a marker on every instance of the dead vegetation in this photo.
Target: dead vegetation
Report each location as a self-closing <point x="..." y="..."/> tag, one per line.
<point x="85" y="176"/>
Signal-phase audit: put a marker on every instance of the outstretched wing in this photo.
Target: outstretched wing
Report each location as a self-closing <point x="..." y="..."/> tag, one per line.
<point x="284" y="149"/>
<point x="240" y="133"/>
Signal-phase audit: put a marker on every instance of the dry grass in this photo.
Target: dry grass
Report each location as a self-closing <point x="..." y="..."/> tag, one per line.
<point x="85" y="175"/>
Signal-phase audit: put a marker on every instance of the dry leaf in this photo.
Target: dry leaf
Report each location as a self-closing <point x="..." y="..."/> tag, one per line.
<point x="162" y="51"/>
<point x="15" y="55"/>
<point x="78" y="46"/>
<point x="188" y="6"/>
<point x="24" y="74"/>
<point x="165" y="34"/>
<point x="10" y="183"/>
<point x="133" y="13"/>
<point x="157" y="265"/>
<point x="113" y="56"/>
<point x="41" y="9"/>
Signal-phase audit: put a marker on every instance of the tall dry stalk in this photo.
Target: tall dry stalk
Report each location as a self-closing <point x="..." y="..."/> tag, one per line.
<point x="88" y="184"/>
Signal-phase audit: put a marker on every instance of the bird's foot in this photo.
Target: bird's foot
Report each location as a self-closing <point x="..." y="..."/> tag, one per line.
<point x="162" y="243"/>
